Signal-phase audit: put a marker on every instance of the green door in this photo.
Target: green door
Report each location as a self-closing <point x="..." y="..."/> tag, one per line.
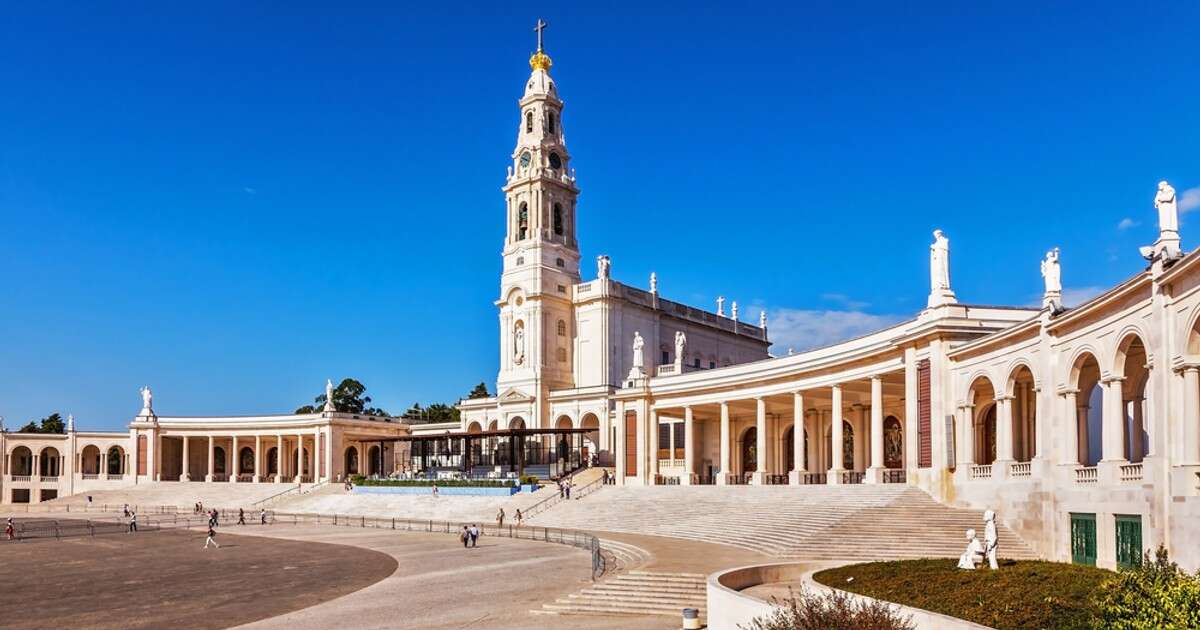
<point x="1129" y="540"/>
<point x="1083" y="539"/>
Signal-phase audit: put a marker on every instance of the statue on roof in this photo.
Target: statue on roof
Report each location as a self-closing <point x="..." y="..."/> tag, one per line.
<point x="1168" y="210"/>
<point x="603" y="266"/>
<point x="147" y="398"/>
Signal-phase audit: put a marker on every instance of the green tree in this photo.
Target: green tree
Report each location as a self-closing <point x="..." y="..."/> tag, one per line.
<point x="52" y="423"/>
<point x="348" y="397"/>
<point x="480" y="391"/>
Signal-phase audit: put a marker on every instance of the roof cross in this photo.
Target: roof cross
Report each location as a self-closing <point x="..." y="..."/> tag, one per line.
<point x="541" y="26"/>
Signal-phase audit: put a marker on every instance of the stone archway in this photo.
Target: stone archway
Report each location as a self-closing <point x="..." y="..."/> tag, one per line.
<point x="115" y="462"/>
<point x="516" y="423"/>
<point x="90" y="460"/>
<point x="21" y="462"/>
<point x="350" y="461"/>
<point x="1131" y="363"/>
<point x="272" y="461"/>
<point x="220" y="461"/>
<point x="748" y="450"/>
<point x="49" y="464"/>
<point x="1089" y="405"/>
<point x="982" y="396"/>
<point x="374" y="466"/>
<point x="1023" y="403"/>
<point x="245" y="460"/>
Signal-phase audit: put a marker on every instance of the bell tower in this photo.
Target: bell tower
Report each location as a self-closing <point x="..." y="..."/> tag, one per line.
<point x="541" y="254"/>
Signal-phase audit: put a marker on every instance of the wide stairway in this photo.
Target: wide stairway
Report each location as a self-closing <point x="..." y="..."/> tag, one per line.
<point x="635" y="593"/>
<point x="181" y="494"/>
<point x="853" y="522"/>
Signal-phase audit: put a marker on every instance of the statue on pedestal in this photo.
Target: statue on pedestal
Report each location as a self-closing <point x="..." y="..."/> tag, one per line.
<point x="733" y="312"/>
<point x="939" y="271"/>
<point x="1052" y="274"/>
<point x="1168" y="210"/>
<point x="680" y="348"/>
<point x="329" y="395"/>
<point x="603" y="266"/>
<point x="147" y="400"/>
<point x="653" y="282"/>
<point x="991" y="539"/>
<point x="639" y="360"/>
<point x="970" y="558"/>
<point x="762" y="320"/>
<point x="519" y="345"/>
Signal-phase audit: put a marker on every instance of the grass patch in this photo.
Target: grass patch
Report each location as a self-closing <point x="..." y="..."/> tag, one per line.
<point x="1019" y="595"/>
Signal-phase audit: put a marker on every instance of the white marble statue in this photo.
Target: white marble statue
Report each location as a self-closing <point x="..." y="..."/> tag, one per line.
<point x="1168" y="211"/>
<point x="328" y="395"/>
<point x="1051" y="272"/>
<point x="991" y="539"/>
<point x="70" y="423"/>
<point x="720" y="306"/>
<point x="762" y="320"/>
<point x="970" y="558"/>
<point x="639" y="360"/>
<point x="603" y="266"/>
<point x="653" y="282"/>
<point x="680" y="347"/>
<point x="939" y="262"/>
<point x="519" y="345"/>
<point x="147" y="398"/>
<point x="733" y="311"/>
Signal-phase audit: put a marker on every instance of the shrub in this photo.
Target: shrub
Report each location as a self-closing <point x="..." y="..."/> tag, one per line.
<point x="1157" y="594"/>
<point x="833" y="611"/>
<point x="443" y="483"/>
<point x="529" y="480"/>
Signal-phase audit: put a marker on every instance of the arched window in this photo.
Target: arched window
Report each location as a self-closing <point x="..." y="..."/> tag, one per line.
<point x="523" y="222"/>
<point x="528" y="122"/>
<point x="550" y="123"/>
<point x="219" y="461"/>
<point x="558" y="219"/>
<point x="562" y="328"/>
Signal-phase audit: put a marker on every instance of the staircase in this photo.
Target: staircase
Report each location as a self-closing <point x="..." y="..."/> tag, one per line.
<point x="635" y="593"/>
<point x="858" y="522"/>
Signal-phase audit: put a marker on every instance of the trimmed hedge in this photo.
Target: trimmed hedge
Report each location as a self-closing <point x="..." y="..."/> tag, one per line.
<point x="442" y="483"/>
<point x="1019" y="595"/>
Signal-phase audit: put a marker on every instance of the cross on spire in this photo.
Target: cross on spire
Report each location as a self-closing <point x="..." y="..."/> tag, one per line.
<point x="541" y="26"/>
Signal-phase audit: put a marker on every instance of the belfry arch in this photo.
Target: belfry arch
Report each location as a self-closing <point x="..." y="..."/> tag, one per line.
<point x="1088" y="428"/>
<point x="1131" y="367"/>
<point x="1023" y="399"/>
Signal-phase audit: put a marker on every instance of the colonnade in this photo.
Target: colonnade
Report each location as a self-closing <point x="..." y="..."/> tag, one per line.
<point x="303" y="469"/>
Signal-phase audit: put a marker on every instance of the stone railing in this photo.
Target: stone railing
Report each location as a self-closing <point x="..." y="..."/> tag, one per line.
<point x="22" y="477"/>
<point x="49" y="478"/>
<point x="88" y="476"/>
<point x="1020" y="469"/>
<point x="114" y="477"/>
<point x="852" y="477"/>
<point x="220" y="477"/>
<point x="1131" y="472"/>
<point x="1086" y="475"/>
<point x="981" y="471"/>
<point x="895" y="475"/>
<point x="667" y="370"/>
<point x="245" y="478"/>
<point x="814" y="479"/>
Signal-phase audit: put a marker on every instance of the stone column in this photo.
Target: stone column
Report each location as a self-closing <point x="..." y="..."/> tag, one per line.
<point x="1112" y="449"/>
<point x="799" y="457"/>
<point x="966" y="452"/>
<point x="280" y="458"/>
<point x="911" y="446"/>
<point x="689" y="445"/>
<point x="299" y="457"/>
<point x="212" y="460"/>
<point x="236" y="459"/>
<point x="1191" y="416"/>
<point x="183" y="472"/>
<point x="151" y="455"/>
<point x="258" y="456"/>
<point x="862" y="444"/>
<point x="316" y="456"/>
<point x="837" y="461"/>
<point x="1004" y="437"/>
<point x="652" y="448"/>
<point x="723" y="477"/>
<point x="1137" y="445"/>
<point x="328" y="451"/>
<point x="760" y="435"/>
<point x="621" y="446"/>
<point x="875" y="472"/>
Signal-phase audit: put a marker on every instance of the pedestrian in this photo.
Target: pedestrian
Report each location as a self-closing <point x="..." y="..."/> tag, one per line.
<point x="216" y="518"/>
<point x="89" y="500"/>
<point x="435" y="490"/>
<point x="568" y="489"/>
<point x="241" y="516"/>
<point x="519" y="517"/>
<point x="132" y="523"/>
<point x="262" y="517"/>
<point x="212" y="533"/>
<point x="500" y="518"/>
<point x="10" y="531"/>
<point x="465" y="536"/>
<point x="125" y="509"/>
<point x="561" y="488"/>
<point x="474" y="535"/>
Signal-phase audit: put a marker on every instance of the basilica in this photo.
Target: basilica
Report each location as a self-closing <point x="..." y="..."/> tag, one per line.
<point x="1079" y="426"/>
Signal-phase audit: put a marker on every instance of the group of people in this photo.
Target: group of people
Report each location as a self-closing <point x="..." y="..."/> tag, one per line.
<point x="469" y="536"/>
<point x="976" y="550"/>
<point x="564" y="488"/>
<point x="131" y="519"/>
<point x="500" y="517"/>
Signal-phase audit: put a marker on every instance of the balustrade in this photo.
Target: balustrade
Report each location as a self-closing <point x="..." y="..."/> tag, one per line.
<point x="812" y="479"/>
<point x="1131" y="472"/>
<point x="981" y="471"/>
<point x="1020" y="469"/>
<point x="852" y="477"/>
<point x="895" y="475"/>
<point x="1086" y="475"/>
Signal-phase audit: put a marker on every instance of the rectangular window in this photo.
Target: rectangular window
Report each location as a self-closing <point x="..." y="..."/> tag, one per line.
<point x="697" y="364"/>
<point x="1129" y="540"/>
<point x="664" y="440"/>
<point x="631" y="445"/>
<point x="712" y="365"/>
<point x="1083" y="539"/>
<point x="679" y="438"/>
<point x="666" y="357"/>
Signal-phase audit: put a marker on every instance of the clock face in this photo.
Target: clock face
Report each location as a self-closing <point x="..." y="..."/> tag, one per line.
<point x="525" y="158"/>
<point x="555" y="161"/>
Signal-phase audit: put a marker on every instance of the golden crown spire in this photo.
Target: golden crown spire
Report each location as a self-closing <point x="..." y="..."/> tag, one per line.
<point x="540" y="60"/>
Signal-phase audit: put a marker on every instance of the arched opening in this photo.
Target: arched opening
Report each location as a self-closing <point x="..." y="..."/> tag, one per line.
<point x="847" y="445"/>
<point x="528" y="122"/>
<point x="49" y="465"/>
<point x="1024" y="414"/>
<point x="748" y="448"/>
<point x="558" y="219"/>
<point x="474" y="427"/>
<point x="983" y="421"/>
<point x="1132" y="363"/>
<point x="1089" y="404"/>
<point x="219" y="467"/>
<point x="789" y="449"/>
<point x="374" y="466"/>
<point x="893" y="443"/>
<point x="492" y="426"/>
<point x="90" y="460"/>
<point x="563" y="422"/>
<point x="516" y="423"/>
<point x="591" y="439"/>
<point x="246" y="461"/>
<point x="272" y="461"/>
<point x="523" y="222"/>
<point x="22" y="461"/>
<point x="550" y="123"/>
<point x="351" y="461"/>
<point x="116" y="461"/>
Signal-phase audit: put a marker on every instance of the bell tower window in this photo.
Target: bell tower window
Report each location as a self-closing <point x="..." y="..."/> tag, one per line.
<point x="528" y="122"/>
<point x="558" y="219"/>
<point x="550" y="123"/>
<point x="523" y="222"/>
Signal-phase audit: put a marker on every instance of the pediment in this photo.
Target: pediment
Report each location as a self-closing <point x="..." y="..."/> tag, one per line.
<point x="513" y="394"/>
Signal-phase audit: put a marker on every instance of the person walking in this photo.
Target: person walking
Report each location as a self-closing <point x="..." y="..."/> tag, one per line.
<point x="10" y="531"/>
<point x="132" y="523"/>
<point x="519" y="517"/>
<point x="568" y="488"/>
<point x="474" y="535"/>
<point x="212" y="533"/>
<point x="465" y="536"/>
<point x="262" y="517"/>
<point x="435" y="490"/>
<point x="241" y="516"/>
<point x="125" y="509"/>
<point x="500" y="518"/>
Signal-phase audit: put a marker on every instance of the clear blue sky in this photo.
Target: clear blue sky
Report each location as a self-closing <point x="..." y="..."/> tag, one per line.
<point x="232" y="202"/>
